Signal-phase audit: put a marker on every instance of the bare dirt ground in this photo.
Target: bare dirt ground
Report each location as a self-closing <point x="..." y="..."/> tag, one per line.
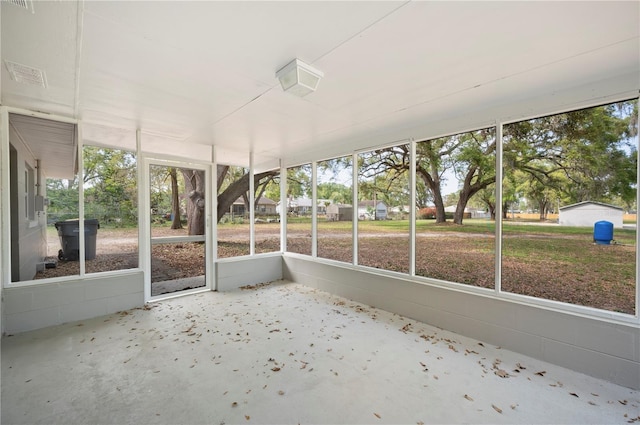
<point x="455" y="257"/>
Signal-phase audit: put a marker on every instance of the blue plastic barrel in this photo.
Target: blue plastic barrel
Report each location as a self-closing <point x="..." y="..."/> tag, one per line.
<point x="603" y="232"/>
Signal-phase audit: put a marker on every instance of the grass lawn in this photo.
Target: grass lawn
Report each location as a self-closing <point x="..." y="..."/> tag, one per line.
<point x="545" y="261"/>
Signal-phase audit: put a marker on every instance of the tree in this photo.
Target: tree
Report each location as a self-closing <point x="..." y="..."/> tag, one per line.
<point x="194" y="184"/>
<point x="110" y="188"/>
<point x="577" y="156"/>
<point x="229" y="191"/>
<point x="384" y="175"/>
<point x="337" y="193"/>
<point x="176" y="222"/>
<point x="471" y="156"/>
<point x="474" y="164"/>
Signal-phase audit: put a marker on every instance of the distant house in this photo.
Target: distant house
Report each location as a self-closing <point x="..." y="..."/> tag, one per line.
<point x="588" y="213"/>
<point x="265" y="206"/>
<point x="339" y="212"/>
<point x="452" y="210"/>
<point x="372" y="210"/>
<point x="296" y="206"/>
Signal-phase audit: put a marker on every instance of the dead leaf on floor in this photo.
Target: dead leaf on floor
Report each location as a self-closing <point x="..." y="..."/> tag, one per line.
<point x="574" y="394"/>
<point x="234" y="404"/>
<point x="502" y="373"/>
<point x="275" y="369"/>
<point x="280" y="392"/>
<point x="377" y="416"/>
<point x="496" y="408"/>
<point x="623" y="402"/>
<point x="541" y="373"/>
<point x="468" y="397"/>
<point x="406" y="328"/>
<point x="247" y="417"/>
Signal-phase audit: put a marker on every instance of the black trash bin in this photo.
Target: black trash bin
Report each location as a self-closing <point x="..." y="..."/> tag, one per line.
<point x="68" y="232"/>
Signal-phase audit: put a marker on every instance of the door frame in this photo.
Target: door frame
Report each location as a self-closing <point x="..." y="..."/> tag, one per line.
<point x="145" y="228"/>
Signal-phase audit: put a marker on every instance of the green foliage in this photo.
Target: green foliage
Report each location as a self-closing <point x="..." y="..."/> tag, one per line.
<point x="63" y="199"/>
<point x="299" y="181"/>
<point x="337" y="193"/>
<point x="574" y="157"/>
<point x="110" y="188"/>
<point x="384" y="175"/>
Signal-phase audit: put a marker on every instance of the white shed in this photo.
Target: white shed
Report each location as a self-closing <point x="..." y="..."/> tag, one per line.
<point x="588" y="213"/>
<point x="372" y="210"/>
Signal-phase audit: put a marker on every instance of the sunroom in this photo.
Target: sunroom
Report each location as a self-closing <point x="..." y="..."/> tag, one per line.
<point x="181" y="139"/>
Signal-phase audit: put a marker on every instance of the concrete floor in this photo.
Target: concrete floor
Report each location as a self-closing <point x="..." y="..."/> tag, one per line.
<point x="287" y="354"/>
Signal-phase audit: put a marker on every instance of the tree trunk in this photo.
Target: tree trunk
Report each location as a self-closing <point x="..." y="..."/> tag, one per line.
<point x="465" y="195"/>
<point x="492" y="211"/>
<point x="434" y="186"/>
<point x="195" y="188"/>
<point x="176" y="223"/>
<point x="543" y="209"/>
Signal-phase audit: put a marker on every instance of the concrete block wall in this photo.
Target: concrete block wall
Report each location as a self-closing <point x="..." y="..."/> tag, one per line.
<point x="605" y="349"/>
<point x="26" y="308"/>
<point x="232" y="273"/>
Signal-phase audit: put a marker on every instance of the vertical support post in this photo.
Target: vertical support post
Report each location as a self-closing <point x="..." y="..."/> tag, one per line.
<point x="252" y="202"/>
<point x="314" y="209"/>
<point x="284" y="206"/>
<point x="144" y="216"/>
<point x="214" y="207"/>
<point x="82" y="235"/>
<point x="5" y="217"/>
<point x="498" y="224"/>
<point x="354" y="207"/>
<point x="211" y="232"/>
<point x="412" y="208"/>
<point x="637" y="233"/>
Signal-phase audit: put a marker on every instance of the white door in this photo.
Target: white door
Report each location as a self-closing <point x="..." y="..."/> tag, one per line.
<point x="179" y="258"/>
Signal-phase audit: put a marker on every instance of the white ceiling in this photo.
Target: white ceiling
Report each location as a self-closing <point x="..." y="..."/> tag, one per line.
<point x="204" y="72"/>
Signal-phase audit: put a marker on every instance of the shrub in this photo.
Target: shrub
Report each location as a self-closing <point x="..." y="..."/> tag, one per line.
<point x="426" y="213"/>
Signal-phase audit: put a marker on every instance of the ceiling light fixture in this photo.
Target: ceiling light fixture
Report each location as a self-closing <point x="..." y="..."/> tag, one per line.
<point x="299" y="78"/>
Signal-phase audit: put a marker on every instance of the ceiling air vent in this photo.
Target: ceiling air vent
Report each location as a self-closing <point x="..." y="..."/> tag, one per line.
<point x="25" y="4"/>
<point x="25" y="74"/>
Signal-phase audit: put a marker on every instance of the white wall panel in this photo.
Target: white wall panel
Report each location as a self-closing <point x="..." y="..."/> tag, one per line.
<point x="32" y="307"/>
<point x="232" y="273"/>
